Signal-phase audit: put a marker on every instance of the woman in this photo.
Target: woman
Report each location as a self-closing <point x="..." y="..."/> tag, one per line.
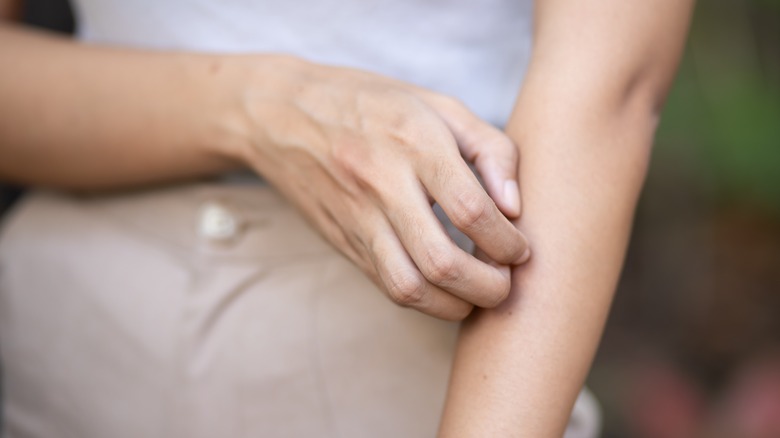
<point x="207" y="309"/>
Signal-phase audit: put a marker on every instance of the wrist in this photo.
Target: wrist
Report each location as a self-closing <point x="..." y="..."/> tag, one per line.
<point x="204" y="86"/>
<point x="245" y="92"/>
<point x="214" y="92"/>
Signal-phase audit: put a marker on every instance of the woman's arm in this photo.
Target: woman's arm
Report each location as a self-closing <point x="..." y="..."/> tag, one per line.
<point x="584" y="123"/>
<point x="75" y="116"/>
<point x="361" y="155"/>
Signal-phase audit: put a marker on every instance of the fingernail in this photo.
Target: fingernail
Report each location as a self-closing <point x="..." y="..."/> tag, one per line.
<point x="512" y="196"/>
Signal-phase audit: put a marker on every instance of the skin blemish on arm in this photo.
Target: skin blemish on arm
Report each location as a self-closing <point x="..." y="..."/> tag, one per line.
<point x="215" y="67"/>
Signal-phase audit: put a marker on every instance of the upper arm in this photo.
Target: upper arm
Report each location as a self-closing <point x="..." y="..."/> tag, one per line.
<point x="608" y="51"/>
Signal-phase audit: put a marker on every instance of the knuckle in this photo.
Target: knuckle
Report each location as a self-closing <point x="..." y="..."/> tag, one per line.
<point x="501" y="147"/>
<point x="414" y="132"/>
<point x="411" y="125"/>
<point x="472" y="211"/>
<point x="405" y="288"/>
<point x="440" y="267"/>
<point x="404" y="133"/>
<point x="452" y="103"/>
<point x="349" y="158"/>
<point x="460" y="117"/>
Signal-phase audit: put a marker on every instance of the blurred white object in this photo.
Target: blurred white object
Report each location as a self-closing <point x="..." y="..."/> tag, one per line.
<point x="217" y="222"/>
<point x="585" y="421"/>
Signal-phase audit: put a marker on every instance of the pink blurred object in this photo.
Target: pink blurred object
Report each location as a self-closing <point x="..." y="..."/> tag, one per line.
<point x="664" y="403"/>
<point x="752" y="402"/>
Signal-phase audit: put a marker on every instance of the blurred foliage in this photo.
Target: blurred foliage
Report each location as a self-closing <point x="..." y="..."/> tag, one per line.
<point x="724" y="110"/>
<point x="699" y="302"/>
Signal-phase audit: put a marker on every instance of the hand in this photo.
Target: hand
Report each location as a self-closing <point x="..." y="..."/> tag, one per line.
<point x="364" y="157"/>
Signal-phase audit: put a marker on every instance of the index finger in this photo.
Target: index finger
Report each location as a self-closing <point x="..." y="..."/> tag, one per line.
<point x="452" y="185"/>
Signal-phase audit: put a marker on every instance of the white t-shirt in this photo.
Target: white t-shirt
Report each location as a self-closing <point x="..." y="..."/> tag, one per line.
<point x="474" y="50"/>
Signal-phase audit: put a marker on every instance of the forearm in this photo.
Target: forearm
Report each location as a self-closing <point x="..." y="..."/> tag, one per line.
<point x="85" y="117"/>
<point x="584" y="123"/>
<point x="519" y="367"/>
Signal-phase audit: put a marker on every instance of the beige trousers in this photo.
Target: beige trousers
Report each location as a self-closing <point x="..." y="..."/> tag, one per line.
<point x="206" y="310"/>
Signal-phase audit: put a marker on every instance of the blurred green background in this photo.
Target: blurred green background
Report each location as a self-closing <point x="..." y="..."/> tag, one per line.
<point x="692" y="348"/>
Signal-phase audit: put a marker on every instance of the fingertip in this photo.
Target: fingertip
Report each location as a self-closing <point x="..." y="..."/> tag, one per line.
<point x="525" y="256"/>
<point x="460" y="314"/>
<point x="511" y="195"/>
<point x="506" y="287"/>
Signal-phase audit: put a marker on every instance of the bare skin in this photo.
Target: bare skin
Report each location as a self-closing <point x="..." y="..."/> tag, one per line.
<point x="584" y="122"/>
<point x="362" y="156"/>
